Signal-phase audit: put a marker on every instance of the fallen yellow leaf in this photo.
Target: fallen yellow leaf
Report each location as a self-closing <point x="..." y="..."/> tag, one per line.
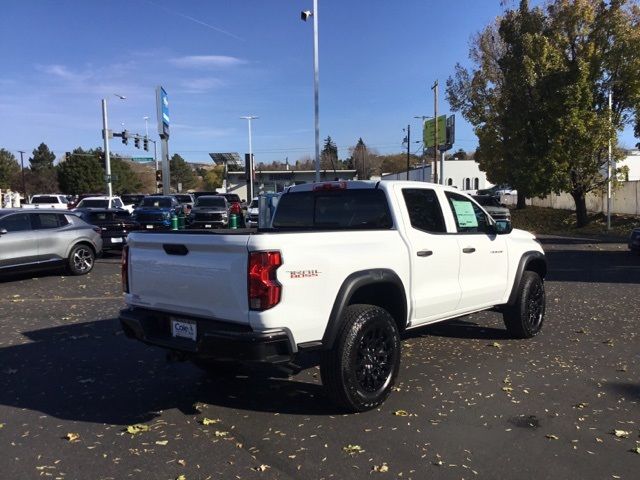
<point x="72" y="437"/>
<point x="352" y="449"/>
<point x="162" y="442"/>
<point x="181" y="477"/>
<point x="137" y="428"/>
<point x="210" y="421"/>
<point x="261" y="468"/>
<point x="381" y="468"/>
<point x="551" y="436"/>
<point x="218" y="433"/>
<point x="401" y="413"/>
<point x="621" y="433"/>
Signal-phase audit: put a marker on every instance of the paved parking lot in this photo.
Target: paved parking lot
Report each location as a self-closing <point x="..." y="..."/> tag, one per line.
<point x="470" y="403"/>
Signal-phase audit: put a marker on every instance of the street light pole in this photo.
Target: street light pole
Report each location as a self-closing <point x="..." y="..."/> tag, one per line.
<point x="24" y="188"/>
<point x="609" y="164"/>
<point x="316" y="81"/>
<point x="435" y="131"/>
<point x="249" y="174"/>
<point x="107" y="157"/>
<point x="146" y="126"/>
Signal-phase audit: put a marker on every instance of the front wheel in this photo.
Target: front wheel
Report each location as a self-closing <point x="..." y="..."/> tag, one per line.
<point x="525" y="318"/>
<point x="359" y="371"/>
<point x="81" y="259"/>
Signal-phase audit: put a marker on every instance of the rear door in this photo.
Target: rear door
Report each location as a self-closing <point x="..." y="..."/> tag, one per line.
<point x="19" y="246"/>
<point x="434" y="256"/>
<point x="483" y="254"/>
<point x="52" y="241"/>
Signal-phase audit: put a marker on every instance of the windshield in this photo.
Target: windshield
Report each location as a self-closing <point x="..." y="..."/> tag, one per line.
<point x="487" y="201"/>
<point x="253" y="204"/>
<point x="134" y="199"/>
<point x="211" y="202"/>
<point x="156" y="202"/>
<point x="88" y="203"/>
<point x="232" y="198"/>
<point x="183" y="198"/>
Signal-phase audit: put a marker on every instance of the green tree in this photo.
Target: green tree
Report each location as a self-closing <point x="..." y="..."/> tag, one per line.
<point x="358" y="160"/>
<point x="81" y="172"/>
<point x="42" y="158"/>
<point x="329" y="155"/>
<point x="537" y="95"/>
<point x="182" y="173"/>
<point x="9" y="169"/>
<point x="125" y="180"/>
<point x="212" y="179"/>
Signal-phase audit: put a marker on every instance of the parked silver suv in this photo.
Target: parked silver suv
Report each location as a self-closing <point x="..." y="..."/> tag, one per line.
<point x="37" y="239"/>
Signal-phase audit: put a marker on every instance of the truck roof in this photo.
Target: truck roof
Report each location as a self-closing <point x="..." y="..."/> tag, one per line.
<point x="364" y="184"/>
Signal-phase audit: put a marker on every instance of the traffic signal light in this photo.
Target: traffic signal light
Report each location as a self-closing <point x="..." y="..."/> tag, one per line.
<point x="136" y="141"/>
<point x="158" y="175"/>
<point x="145" y="143"/>
<point x="125" y="137"/>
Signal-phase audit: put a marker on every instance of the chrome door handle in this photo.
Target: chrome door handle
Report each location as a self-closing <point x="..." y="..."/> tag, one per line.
<point x="468" y="250"/>
<point x="424" y="253"/>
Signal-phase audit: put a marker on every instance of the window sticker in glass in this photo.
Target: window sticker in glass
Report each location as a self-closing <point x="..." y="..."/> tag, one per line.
<point x="464" y="213"/>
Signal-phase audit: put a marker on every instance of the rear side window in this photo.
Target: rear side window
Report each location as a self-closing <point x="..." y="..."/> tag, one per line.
<point x="44" y="221"/>
<point x="424" y="210"/>
<point x="18" y="222"/>
<point x="334" y="210"/>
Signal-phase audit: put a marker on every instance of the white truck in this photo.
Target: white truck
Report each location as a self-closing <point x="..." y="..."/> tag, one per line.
<point x="345" y="268"/>
<point x="56" y="201"/>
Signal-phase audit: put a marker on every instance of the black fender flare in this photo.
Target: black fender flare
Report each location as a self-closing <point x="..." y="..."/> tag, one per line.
<point x="525" y="260"/>
<point x="348" y="288"/>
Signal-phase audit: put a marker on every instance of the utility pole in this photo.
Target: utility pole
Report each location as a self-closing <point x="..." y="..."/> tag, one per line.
<point x="435" y="131"/>
<point x="24" y="188"/>
<point x="316" y="80"/>
<point x="249" y="174"/>
<point x="408" y="148"/>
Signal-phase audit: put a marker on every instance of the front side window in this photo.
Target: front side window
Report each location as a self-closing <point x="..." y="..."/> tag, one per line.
<point x="18" y="222"/>
<point x="117" y="203"/>
<point x="424" y="210"/>
<point x="469" y="217"/>
<point x="93" y="203"/>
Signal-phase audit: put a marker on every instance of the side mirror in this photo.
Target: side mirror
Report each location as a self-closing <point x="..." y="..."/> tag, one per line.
<point x="503" y="227"/>
<point x="3" y="231"/>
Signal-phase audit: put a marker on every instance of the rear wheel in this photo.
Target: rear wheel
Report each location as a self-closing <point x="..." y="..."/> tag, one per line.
<point x="525" y="318"/>
<point x="359" y="371"/>
<point x="81" y="259"/>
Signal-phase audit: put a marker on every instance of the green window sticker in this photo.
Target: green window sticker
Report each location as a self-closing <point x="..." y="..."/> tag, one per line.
<point x="464" y="213"/>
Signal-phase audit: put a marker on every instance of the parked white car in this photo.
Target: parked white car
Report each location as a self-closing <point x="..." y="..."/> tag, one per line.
<point x="252" y="214"/>
<point x="344" y="269"/>
<point x="55" y="200"/>
<point x="103" y="202"/>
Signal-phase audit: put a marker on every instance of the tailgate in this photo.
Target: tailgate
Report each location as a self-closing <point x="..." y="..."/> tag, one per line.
<point x="190" y="274"/>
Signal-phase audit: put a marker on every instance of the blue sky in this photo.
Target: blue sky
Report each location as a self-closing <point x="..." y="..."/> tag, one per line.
<point x="221" y="59"/>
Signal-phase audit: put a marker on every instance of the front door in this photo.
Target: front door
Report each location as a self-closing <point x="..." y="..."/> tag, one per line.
<point x="483" y="255"/>
<point x="19" y="245"/>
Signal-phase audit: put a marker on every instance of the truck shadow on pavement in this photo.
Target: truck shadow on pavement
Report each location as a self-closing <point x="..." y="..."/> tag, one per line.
<point x="594" y="266"/>
<point x="90" y="372"/>
<point x="459" y="328"/>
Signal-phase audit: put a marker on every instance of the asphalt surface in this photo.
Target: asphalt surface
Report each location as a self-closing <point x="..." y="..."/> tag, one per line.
<point x="469" y="402"/>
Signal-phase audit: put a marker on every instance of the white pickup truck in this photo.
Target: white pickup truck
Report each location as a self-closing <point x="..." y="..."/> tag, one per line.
<point x="345" y="268"/>
<point x="55" y="201"/>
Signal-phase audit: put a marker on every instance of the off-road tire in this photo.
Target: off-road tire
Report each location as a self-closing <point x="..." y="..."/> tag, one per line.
<point x="81" y="259"/>
<point x="360" y="369"/>
<point x="525" y="317"/>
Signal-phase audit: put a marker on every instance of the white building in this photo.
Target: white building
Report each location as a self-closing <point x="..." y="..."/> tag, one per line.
<point x="632" y="162"/>
<point x="461" y="174"/>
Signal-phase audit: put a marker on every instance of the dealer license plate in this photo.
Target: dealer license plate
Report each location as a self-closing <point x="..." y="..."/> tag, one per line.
<point x="116" y="240"/>
<point x="150" y="227"/>
<point x="207" y="226"/>
<point x="184" y="329"/>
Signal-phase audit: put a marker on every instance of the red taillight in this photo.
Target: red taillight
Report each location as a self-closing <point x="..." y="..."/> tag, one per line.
<point x="124" y="269"/>
<point x="264" y="289"/>
<point x="330" y="186"/>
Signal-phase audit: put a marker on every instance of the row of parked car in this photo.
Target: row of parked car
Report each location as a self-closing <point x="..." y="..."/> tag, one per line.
<point x="72" y="232"/>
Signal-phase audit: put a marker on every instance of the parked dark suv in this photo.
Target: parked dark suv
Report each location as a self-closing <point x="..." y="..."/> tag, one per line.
<point x="114" y="225"/>
<point x="39" y="239"/>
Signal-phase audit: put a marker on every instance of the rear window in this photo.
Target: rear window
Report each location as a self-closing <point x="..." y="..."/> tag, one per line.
<point x="183" y="198"/>
<point x="211" y="202"/>
<point x="88" y="203"/>
<point x="487" y="201"/>
<point x="365" y="209"/>
<point x="232" y="197"/>
<point x="45" y="221"/>
<point x="106" y="216"/>
<point x="157" y="202"/>
<point x="46" y="199"/>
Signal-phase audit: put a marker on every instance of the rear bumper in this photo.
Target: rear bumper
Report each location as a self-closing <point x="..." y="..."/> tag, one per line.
<point x="215" y="339"/>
